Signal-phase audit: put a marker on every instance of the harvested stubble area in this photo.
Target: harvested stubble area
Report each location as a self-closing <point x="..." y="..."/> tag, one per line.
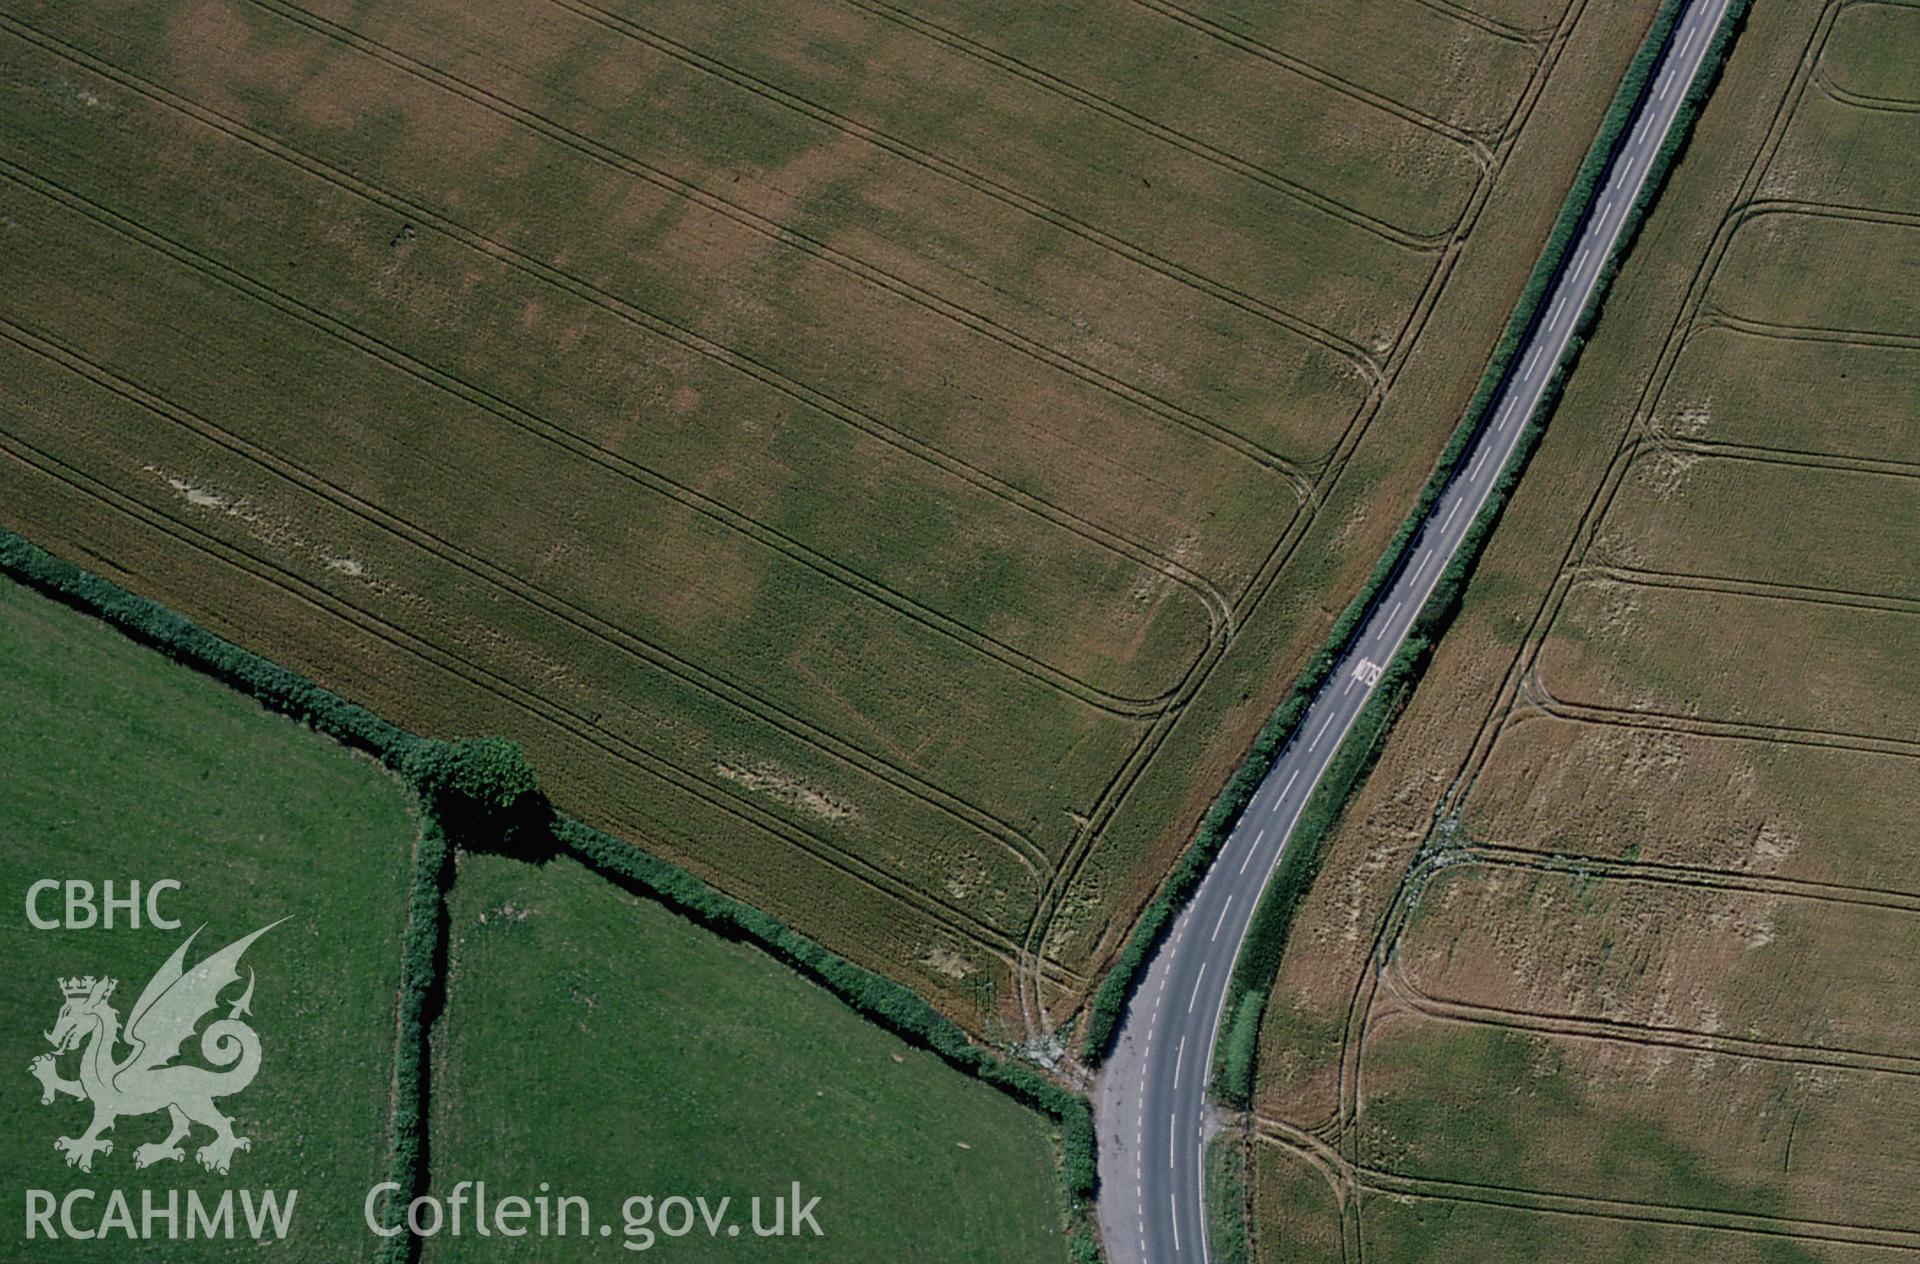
<point x="1629" y="973"/>
<point x="888" y="460"/>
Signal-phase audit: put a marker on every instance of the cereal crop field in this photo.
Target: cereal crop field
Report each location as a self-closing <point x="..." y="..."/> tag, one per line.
<point x="1615" y="957"/>
<point x="889" y="460"/>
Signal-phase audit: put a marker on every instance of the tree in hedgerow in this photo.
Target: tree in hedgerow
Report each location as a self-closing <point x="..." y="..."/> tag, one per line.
<point x="471" y="780"/>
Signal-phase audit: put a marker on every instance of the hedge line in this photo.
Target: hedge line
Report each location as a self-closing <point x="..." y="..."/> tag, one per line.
<point x="422" y="964"/>
<point x="893" y="1005"/>
<point x="471" y="791"/>
<point x="1259" y="962"/>
<point x="1116" y="988"/>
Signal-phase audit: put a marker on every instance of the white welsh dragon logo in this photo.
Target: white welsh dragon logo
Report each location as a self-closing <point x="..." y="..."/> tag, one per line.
<point x="170" y="1007"/>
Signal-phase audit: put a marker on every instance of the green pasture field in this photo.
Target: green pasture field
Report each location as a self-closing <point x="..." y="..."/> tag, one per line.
<point x="595" y="1041"/>
<point x="124" y="766"/>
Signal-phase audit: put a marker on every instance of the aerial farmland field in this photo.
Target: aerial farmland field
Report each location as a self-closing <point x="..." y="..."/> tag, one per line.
<point x="890" y="461"/>
<point x="122" y="763"/>
<point x="602" y="1044"/>
<point x="1623" y="966"/>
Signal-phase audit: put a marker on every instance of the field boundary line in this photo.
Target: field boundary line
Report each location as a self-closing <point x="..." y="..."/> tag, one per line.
<point x="871" y="274"/>
<point x="1502" y="707"/>
<point x="955" y="467"/>
<point x="633" y="755"/>
<point x="1264" y="583"/>
<point x="890" y="1005"/>
<point x="1361" y="1002"/>
<point x="1147" y="928"/>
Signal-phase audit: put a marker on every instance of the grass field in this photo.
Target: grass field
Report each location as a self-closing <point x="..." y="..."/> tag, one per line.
<point x="763" y="414"/>
<point x="597" y="1042"/>
<point x="1614" y="957"/>
<point x="123" y="765"/>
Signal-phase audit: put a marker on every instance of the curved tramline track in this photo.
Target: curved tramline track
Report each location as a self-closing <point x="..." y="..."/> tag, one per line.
<point x="1150" y="1103"/>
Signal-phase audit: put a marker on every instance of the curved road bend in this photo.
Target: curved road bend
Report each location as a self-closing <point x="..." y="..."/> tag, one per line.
<point x="1150" y="1102"/>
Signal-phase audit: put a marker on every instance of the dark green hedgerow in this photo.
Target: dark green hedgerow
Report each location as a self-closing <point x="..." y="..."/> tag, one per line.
<point x="1259" y="961"/>
<point x="153" y="624"/>
<point x="1110" y="1000"/>
<point x="423" y="960"/>
<point x="893" y="1005"/>
<point x="481" y="793"/>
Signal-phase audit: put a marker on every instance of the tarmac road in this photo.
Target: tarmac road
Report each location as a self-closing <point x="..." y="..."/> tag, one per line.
<point x="1150" y="1105"/>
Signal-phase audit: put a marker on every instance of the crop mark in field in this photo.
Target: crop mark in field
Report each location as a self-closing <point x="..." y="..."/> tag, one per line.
<point x="1508" y="708"/>
<point x="1087" y="99"/>
<point x="1475" y="144"/>
<point x="738" y="806"/>
<point x="1864" y="101"/>
<point x="868" y="273"/>
<point x="1218" y="607"/>
<point x="1113" y="796"/>
<point x="1030" y="857"/>
<point x="41" y="344"/>
<point x="1399" y="1185"/>
<point x="1760" y="589"/>
<point x="582" y="621"/>
<point x="1357" y="355"/>
<point x="1403" y="993"/>
<point x="980" y="183"/>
